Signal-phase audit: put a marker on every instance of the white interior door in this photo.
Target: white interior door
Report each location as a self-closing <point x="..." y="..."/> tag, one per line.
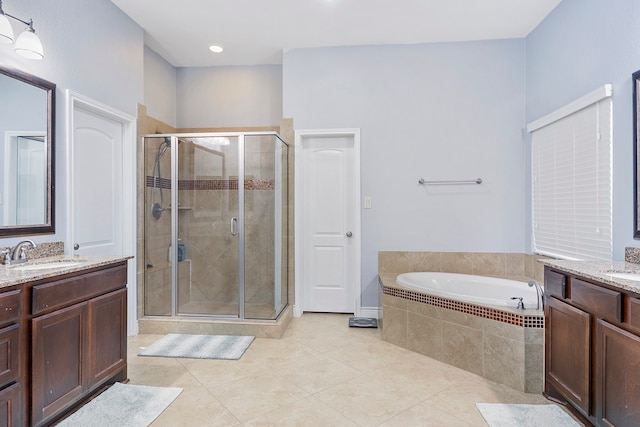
<point x="330" y="220"/>
<point x="96" y="195"/>
<point x="101" y="190"/>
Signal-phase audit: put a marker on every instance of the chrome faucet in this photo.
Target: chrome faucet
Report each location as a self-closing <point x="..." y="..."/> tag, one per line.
<point x="520" y="303"/>
<point x="18" y="254"/>
<point x="539" y="293"/>
<point x="5" y="257"/>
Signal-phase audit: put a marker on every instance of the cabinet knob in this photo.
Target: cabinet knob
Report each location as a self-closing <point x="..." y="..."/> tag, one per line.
<point x="76" y="247"/>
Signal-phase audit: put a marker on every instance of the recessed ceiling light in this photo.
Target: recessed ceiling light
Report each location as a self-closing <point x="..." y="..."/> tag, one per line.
<point x="215" y="49"/>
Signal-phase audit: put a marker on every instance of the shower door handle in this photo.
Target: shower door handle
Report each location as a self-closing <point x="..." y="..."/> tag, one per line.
<point x="234" y="226"/>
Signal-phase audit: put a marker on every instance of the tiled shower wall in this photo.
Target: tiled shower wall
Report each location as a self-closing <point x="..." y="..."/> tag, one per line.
<point x="205" y="205"/>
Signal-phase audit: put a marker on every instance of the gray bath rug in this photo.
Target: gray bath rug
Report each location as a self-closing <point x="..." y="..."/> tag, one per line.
<point x="363" y="322"/>
<point x="123" y="405"/>
<point x="505" y="415"/>
<point x="227" y="347"/>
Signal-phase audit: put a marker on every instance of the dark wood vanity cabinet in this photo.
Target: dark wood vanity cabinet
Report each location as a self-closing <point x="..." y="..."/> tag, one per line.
<point x="568" y="355"/>
<point x="78" y="339"/>
<point x="592" y="348"/>
<point x="61" y="341"/>
<point x="11" y="363"/>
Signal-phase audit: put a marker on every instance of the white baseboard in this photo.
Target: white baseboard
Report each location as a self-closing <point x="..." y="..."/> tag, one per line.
<point x="372" y="312"/>
<point x="297" y="311"/>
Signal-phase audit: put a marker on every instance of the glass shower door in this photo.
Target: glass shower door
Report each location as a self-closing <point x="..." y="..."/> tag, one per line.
<point x="265" y="226"/>
<point x="157" y="226"/>
<point x="208" y="226"/>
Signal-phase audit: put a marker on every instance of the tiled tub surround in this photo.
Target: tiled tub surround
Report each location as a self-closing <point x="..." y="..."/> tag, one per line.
<point x="503" y="345"/>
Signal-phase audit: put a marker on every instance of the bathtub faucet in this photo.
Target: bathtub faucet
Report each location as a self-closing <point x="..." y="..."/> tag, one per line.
<point x="539" y="293"/>
<point x="520" y="303"/>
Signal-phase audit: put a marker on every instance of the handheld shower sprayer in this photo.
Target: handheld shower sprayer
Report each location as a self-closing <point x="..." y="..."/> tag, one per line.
<point x="539" y="293"/>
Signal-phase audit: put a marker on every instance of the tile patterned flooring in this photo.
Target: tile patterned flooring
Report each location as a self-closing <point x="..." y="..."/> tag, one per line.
<point x="321" y="373"/>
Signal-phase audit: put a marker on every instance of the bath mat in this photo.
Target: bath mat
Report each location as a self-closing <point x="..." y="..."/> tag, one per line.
<point x="123" y="405"/>
<point x="363" y="322"/>
<point x="227" y="347"/>
<point x="505" y="415"/>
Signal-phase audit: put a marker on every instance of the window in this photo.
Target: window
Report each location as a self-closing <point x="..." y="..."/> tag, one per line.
<point x="572" y="179"/>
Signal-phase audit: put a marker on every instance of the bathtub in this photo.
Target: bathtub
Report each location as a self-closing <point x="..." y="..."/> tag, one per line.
<point x="480" y="290"/>
<point x="469" y="322"/>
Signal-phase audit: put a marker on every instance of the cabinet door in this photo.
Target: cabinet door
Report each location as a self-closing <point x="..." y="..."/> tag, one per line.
<point x="107" y="336"/>
<point x="10" y="410"/>
<point x="617" y="376"/>
<point x="9" y="354"/>
<point x="567" y="356"/>
<point x="58" y="360"/>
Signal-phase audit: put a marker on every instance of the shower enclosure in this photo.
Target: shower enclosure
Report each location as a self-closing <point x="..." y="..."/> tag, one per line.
<point x="215" y="230"/>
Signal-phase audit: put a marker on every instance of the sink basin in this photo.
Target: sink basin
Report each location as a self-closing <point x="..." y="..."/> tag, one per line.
<point x="47" y="265"/>
<point x="625" y="276"/>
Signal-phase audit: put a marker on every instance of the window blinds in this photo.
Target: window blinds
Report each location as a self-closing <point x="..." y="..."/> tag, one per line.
<point x="572" y="183"/>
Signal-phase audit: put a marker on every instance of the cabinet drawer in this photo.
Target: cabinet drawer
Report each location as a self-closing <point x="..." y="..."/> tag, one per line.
<point x="65" y="292"/>
<point x="634" y="314"/>
<point x="9" y="306"/>
<point x="601" y="302"/>
<point x="555" y="284"/>
<point x="9" y="357"/>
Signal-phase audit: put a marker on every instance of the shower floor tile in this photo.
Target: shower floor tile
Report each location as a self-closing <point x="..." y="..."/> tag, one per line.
<point x="320" y="373"/>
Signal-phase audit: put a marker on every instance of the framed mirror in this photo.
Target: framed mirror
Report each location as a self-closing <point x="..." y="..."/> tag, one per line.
<point x="635" y="82"/>
<point x="27" y="143"/>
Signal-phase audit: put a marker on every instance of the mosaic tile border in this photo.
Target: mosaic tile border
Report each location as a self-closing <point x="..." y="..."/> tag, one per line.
<point x="212" y="184"/>
<point x="536" y="322"/>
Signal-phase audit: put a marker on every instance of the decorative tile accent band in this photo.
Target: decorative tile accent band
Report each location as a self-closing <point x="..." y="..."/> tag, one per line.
<point x="211" y="184"/>
<point x="464" y="307"/>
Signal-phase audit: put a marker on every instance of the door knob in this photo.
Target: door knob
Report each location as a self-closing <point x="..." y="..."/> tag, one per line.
<point x="76" y="247"/>
<point x="349" y="234"/>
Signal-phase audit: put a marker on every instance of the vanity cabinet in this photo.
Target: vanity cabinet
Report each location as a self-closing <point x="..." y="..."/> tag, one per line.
<point x="592" y="348"/>
<point x="78" y="339"/>
<point x="11" y="408"/>
<point x="568" y="355"/>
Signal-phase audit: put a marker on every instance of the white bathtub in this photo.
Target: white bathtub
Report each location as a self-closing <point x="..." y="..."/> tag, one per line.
<point x="479" y="290"/>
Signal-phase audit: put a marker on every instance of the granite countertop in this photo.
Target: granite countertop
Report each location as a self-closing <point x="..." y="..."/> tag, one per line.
<point x="19" y="273"/>
<point x="600" y="271"/>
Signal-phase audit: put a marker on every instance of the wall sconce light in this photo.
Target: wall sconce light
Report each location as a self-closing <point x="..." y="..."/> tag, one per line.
<point x="28" y="44"/>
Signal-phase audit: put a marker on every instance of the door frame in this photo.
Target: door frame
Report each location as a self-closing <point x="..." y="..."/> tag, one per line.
<point x="300" y="136"/>
<point x="75" y="101"/>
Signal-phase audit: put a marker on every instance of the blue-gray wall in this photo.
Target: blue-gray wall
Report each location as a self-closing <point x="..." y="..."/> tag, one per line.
<point x="437" y="111"/>
<point x="90" y="47"/>
<point x="229" y="96"/>
<point x="160" y="89"/>
<point x="580" y="46"/>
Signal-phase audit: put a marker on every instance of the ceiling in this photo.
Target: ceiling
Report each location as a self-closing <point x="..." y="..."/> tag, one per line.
<point x="256" y="32"/>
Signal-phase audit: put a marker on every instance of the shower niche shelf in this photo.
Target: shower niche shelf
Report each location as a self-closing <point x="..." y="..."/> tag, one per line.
<point x="183" y="208"/>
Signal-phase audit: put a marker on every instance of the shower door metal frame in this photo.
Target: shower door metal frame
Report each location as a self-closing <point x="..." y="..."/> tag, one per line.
<point x="175" y="273"/>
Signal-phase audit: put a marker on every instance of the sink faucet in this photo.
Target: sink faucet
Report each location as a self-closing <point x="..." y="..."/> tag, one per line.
<point x="18" y="254"/>
<point x="539" y="293"/>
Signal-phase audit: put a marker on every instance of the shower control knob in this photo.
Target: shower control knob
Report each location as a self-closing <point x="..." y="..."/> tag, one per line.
<point x="76" y="247"/>
<point x="349" y="234"/>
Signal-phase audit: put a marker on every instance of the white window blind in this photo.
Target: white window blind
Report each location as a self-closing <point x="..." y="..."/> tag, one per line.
<point x="572" y="183"/>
